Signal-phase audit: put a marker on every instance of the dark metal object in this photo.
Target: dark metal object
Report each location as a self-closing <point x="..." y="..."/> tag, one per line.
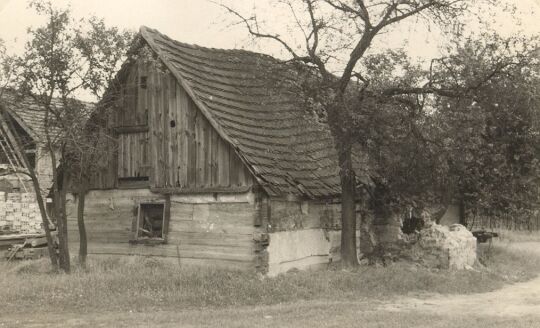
<point x="483" y="236"/>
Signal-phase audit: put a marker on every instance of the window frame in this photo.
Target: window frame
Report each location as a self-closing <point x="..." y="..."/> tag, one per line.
<point x="164" y="224"/>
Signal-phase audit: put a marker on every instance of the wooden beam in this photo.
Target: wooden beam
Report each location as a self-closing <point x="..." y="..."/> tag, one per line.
<point x="130" y="129"/>
<point x="230" y="190"/>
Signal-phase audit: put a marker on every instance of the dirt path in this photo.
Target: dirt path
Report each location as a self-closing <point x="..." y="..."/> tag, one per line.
<point x="513" y="300"/>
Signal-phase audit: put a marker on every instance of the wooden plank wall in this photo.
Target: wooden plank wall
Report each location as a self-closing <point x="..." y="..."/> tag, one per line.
<point x="130" y="105"/>
<point x="187" y="152"/>
<point x="106" y="175"/>
<point x="181" y="149"/>
<point x="202" y="230"/>
<point x="133" y="159"/>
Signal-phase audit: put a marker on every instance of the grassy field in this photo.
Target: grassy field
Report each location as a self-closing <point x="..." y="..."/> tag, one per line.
<point x="518" y="236"/>
<point x="147" y="285"/>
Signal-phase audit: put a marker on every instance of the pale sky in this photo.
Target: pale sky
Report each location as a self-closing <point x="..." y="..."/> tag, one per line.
<point x="202" y="22"/>
<point x="192" y="21"/>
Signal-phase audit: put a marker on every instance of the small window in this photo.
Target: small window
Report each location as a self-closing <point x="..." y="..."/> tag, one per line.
<point x="150" y="223"/>
<point x="144" y="83"/>
<point x="31" y="155"/>
<point x="133" y="182"/>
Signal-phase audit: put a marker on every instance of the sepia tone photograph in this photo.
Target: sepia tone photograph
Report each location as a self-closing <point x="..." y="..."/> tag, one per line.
<point x="270" y="163"/>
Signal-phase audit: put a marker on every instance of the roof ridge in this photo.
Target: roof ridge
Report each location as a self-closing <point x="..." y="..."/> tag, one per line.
<point x="305" y="152"/>
<point x="199" y="47"/>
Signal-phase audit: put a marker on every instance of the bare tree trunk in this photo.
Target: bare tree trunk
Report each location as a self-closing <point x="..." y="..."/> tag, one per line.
<point x="35" y="183"/>
<point x="63" y="249"/>
<point x="349" y="255"/>
<point x="83" y="244"/>
<point x="45" y="221"/>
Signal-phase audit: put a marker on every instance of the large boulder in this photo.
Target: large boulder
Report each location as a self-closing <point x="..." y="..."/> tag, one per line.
<point x="444" y="247"/>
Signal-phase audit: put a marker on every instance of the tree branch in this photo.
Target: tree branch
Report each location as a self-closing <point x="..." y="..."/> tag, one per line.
<point x="255" y="32"/>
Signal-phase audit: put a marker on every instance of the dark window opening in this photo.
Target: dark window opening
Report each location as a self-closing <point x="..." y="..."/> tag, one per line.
<point x="133" y="182"/>
<point x="150" y="222"/>
<point x="173" y="123"/>
<point x="7" y="151"/>
<point x="144" y="84"/>
<point x="129" y="179"/>
<point x="31" y="155"/>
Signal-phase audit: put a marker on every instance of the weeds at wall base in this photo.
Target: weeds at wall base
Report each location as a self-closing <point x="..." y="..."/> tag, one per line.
<point x="142" y="284"/>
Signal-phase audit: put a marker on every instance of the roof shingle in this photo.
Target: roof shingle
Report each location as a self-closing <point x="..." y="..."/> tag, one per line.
<point x="285" y="147"/>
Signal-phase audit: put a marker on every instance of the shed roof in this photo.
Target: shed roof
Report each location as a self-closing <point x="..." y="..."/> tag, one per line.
<point x="285" y="147"/>
<point x="31" y="116"/>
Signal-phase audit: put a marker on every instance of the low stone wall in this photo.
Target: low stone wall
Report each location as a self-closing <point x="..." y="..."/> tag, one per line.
<point x="19" y="212"/>
<point x="444" y="247"/>
<point x="434" y="246"/>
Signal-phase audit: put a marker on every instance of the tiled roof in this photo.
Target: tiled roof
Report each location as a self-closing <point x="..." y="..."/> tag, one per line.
<point x="286" y="148"/>
<point x="31" y="116"/>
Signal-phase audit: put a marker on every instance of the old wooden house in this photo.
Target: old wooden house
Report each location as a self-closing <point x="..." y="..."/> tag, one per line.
<point x="19" y="212"/>
<point x="212" y="166"/>
<point x="27" y="119"/>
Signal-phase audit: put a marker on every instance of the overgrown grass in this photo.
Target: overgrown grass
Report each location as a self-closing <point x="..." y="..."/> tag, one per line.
<point x="518" y="236"/>
<point x="147" y="284"/>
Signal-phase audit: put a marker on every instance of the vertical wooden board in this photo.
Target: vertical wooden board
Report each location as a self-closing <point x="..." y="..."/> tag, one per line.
<point x="214" y="158"/>
<point x="131" y="164"/>
<point x="120" y="157"/>
<point x="165" y="129"/>
<point x="121" y="106"/>
<point x="173" y="129"/>
<point x="181" y="135"/>
<point x="199" y="152"/>
<point x="151" y="128"/>
<point x="223" y="163"/>
<point x="129" y="155"/>
<point x="154" y="126"/>
<point x="159" y="130"/>
<point x="242" y="178"/>
<point x="134" y="152"/>
<point x="234" y="167"/>
<point x="142" y="154"/>
<point x="120" y="154"/>
<point x="123" y="101"/>
<point x="166" y="217"/>
<point x="142" y="110"/>
<point x="125" y="156"/>
<point x="191" y="155"/>
<point x="113" y="158"/>
<point x="245" y="176"/>
<point x="136" y="164"/>
<point x="207" y="151"/>
<point x="130" y="107"/>
<point x="138" y="157"/>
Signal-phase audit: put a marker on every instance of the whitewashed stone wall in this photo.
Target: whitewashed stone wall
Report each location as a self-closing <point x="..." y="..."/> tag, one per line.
<point x="20" y="212"/>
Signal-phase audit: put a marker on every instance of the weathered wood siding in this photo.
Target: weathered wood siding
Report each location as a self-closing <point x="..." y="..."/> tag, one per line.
<point x="202" y="229"/>
<point x="163" y="135"/>
<point x="133" y="159"/>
